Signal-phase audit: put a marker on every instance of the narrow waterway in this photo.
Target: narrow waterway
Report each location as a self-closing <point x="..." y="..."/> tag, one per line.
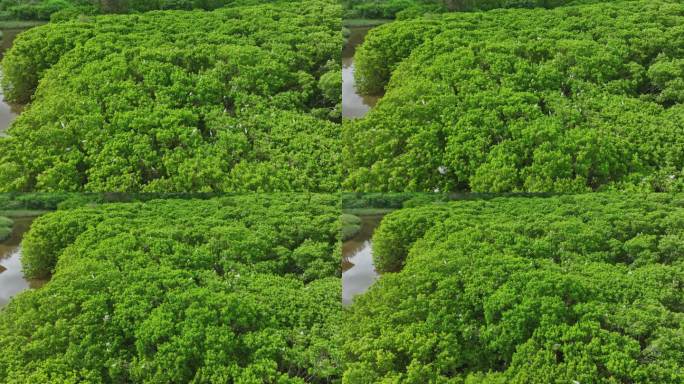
<point x="354" y="105"/>
<point x="12" y="279"/>
<point x="8" y="111"/>
<point x="358" y="272"/>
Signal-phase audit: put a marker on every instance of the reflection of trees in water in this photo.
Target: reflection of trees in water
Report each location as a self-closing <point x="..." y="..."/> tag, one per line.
<point x="360" y="241"/>
<point x="12" y="279"/>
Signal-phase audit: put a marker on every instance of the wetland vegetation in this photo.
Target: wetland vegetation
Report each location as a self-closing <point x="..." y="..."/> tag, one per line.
<point x="242" y="98"/>
<point x="584" y="288"/>
<point x="571" y="99"/>
<point x="230" y="289"/>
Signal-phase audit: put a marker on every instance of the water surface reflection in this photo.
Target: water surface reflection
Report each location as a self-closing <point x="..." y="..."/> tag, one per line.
<point x="354" y="105"/>
<point x="8" y="111"/>
<point x="357" y="254"/>
<point x="12" y="279"/>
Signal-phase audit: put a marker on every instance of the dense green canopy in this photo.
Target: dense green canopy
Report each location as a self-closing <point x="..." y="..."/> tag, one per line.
<point x="563" y="289"/>
<point x="402" y="9"/>
<point x="570" y="99"/>
<point x="59" y="9"/>
<point x="242" y="98"/>
<point x="584" y="288"/>
<point x="233" y="289"/>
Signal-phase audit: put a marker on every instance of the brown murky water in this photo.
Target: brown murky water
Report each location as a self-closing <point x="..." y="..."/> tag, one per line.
<point x="354" y="105"/>
<point x="8" y="111"/>
<point x="357" y="260"/>
<point x="12" y="279"/>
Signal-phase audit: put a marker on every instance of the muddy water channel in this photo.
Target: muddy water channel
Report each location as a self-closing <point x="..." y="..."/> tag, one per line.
<point x="357" y="260"/>
<point x="12" y="279"/>
<point x="354" y="105"/>
<point x="8" y="111"/>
